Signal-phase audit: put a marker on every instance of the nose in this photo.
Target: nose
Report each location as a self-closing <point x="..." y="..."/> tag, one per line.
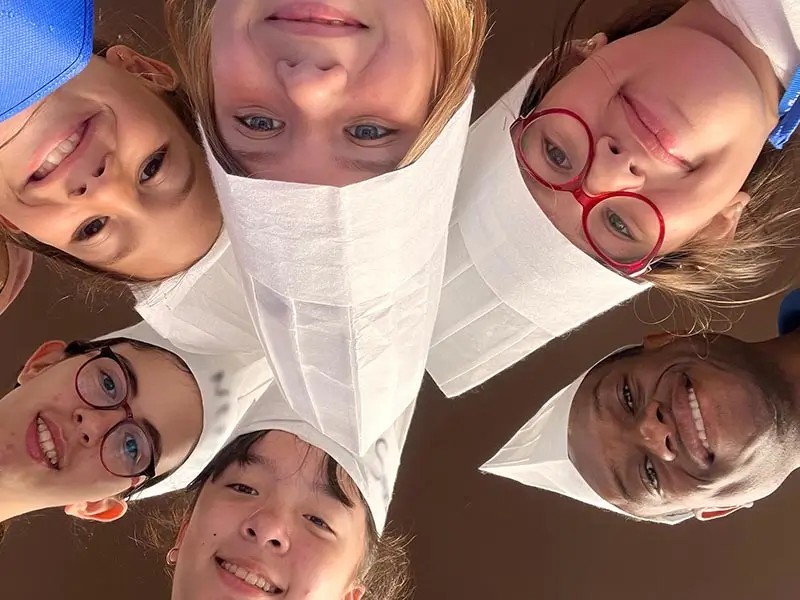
<point x="268" y="527"/>
<point x="91" y="182"/>
<point x="312" y="87"/>
<point x="657" y="432"/>
<point x="92" y="424"/>
<point x="613" y="169"/>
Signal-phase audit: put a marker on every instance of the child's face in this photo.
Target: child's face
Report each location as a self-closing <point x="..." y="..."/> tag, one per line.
<point x="300" y="99"/>
<point x="271" y="527"/>
<point x="103" y="169"/>
<point x="677" y="116"/>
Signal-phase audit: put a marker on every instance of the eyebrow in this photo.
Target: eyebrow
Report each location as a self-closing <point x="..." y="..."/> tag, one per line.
<point x="374" y="167"/>
<point x="323" y="486"/>
<point x="133" y="379"/>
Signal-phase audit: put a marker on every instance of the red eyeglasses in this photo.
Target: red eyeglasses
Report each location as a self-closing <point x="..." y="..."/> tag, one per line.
<point x="625" y="229"/>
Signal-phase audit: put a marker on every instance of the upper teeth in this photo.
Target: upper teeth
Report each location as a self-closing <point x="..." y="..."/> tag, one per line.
<point x="57" y="156"/>
<point x="46" y="442"/>
<point x="698" y="417"/>
<point x="253" y="579"/>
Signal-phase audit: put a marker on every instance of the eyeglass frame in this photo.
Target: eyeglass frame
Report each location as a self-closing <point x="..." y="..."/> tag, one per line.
<point x="106" y="352"/>
<point x="587" y="201"/>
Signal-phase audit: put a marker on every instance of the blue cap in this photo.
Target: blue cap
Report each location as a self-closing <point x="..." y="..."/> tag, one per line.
<point x="43" y="44"/>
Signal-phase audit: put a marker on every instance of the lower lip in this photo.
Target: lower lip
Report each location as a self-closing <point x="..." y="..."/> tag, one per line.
<point x="658" y="142"/>
<point x="241" y="588"/>
<point x="32" y="443"/>
<point x="90" y="129"/>
<point x="684" y="421"/>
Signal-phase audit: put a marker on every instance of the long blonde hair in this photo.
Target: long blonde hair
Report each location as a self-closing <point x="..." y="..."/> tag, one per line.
<point x="460" y="29"/>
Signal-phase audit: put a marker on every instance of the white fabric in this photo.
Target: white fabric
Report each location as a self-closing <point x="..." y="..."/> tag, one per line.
<point x="538" y="456"/>
<point x="374" y="472"/>
<point x="772" y="25"/>
<point x="229" y="384"/>
<point x="343" y="283"/>
<point x="512" y="281"/>
<point x="202" y="310"/>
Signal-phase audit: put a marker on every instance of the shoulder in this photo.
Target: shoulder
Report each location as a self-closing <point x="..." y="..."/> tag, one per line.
<point x="789" y="313"/>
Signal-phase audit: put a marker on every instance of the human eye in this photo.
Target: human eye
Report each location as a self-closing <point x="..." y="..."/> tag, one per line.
<point x="651" y="476"/>
<point x="261" y="123"/>
<point x="317" y="522"/>
<point x="90" y="229"/>
<point x="367" y="132"/>
<point x="130" y="448"/>
<point x="241" y="488"/>
<point x="107" y="385"/>
<point x="152" y="166"/>
<point x="626" y="397"/>
<point x="617" y="225"/>
<point x="556" y="156"/>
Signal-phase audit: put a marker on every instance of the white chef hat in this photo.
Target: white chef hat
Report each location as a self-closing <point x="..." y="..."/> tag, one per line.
<point x="538" y="455"/>
<point x="512" y="281"/>
<point x="374" y="473"/>
<point x="343" y="283"/>
<point x="228" y="384"/>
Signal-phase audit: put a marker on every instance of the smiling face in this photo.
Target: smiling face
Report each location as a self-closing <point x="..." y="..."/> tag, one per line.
<point x="682" y="425"/>
<point x="51" y="440"/>
<point x="679" y="113"/>
<point x="318" y="94"/>
<point x="104" y="170"/>
<point x="274" y="524"/>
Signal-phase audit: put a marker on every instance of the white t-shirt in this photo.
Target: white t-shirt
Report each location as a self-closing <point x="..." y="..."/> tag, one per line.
<point x="772" y="25"/>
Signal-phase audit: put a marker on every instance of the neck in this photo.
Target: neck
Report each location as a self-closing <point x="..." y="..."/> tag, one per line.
<point x="702" y="16"/>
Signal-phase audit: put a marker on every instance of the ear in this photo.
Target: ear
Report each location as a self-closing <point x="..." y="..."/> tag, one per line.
<point x="588" y="47"/>
<point x="711" y="514"/>
<point x="45" y="356"/>
<point x="102" y="511"/>
<point x="654" y="341"/>
<point x="723" y="226"/>
<point x="355" y="593"/>
<point x="157" y="75"/>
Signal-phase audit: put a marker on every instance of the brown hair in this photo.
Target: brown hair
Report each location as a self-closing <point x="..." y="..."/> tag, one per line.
<point x="384" y="569"/>
<point x="704" y="275"/>
<point x="94" y="278"/>
<point x="460" y="27"/>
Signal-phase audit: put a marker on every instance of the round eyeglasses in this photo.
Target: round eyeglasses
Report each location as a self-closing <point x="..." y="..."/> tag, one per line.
<point x="103" y="383"/>
<point x="625" y="229"/>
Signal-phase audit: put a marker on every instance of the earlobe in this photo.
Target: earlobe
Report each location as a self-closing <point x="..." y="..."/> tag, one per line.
<point x="102" y="511"/>
<point x="355" y="593"/>
<point x="155" y="74"/>
<point x="592" y="45"/>
<point x="723" y="225"/>
<point x="654" y="341"/>
<point x="45" y="356"/>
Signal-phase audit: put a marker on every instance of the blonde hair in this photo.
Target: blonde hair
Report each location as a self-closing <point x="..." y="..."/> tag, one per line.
<point x="705" y="275"/>
<point x="460" y="28"/>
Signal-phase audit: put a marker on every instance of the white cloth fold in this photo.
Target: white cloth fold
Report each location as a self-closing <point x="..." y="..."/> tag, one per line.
<point x="512" y="281"/>
<point x="343" y="283"/>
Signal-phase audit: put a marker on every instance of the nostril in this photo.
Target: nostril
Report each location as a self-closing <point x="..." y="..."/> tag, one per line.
<point x="100" y="170"/>
<point x="659" y="415"/>
<point x="80" y="191"/>
<point x="251" y="532"/>
<point x="80" y="419"/>
<point x="614" y="149"/>
<point x="85" y="438"/>
<point x="669" y="445"/>
<point x="275" y="543"/>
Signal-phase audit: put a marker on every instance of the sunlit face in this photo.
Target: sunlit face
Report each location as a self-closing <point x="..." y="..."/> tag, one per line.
<point x="329" y="94"/>
<point x="676" y="115"/>
<point x="104" y="170"/>
<point x="276" y="524"/>
<point x="39" y="472"/>
<point x="682" y="427"/>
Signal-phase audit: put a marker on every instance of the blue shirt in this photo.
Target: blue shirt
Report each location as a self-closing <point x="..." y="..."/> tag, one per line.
<point x="43" y="44"/>
<point x="789" y="313"/>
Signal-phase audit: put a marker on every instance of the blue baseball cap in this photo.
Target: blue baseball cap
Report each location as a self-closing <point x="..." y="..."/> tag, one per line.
<point x="43" y="44"/>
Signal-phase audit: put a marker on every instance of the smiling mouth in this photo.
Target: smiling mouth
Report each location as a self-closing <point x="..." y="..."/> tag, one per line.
<point x="59" y="154"/>
<point x="252" y="578"/>
<point x="333" y="22"/>
<point x="46" y="443"/>
<point x="699" y="424"/>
